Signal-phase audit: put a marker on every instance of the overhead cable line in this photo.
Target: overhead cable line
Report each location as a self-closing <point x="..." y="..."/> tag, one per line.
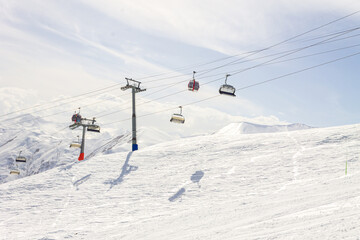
<point x="250" y="54"/>
<point x="238" y="62"/>
<point x="57" y="101"/>
<point x="54" y="114"/>
<point x="299" y="71"/>
<point x="315" y="54"/>
<point x="181" y="82"/>
<point x="274" y="45"/>
<point x="166" y="86"/>
<point x="245" y="87"/>
<point x="169" y="85"/>
<point x="317" y="37"/>
<point x="61" y="105"/>
<point x="286" y="54"/>
<point x="298" y="50"/>
<point x="284" y="41"/>
<point x="246" y="69"/>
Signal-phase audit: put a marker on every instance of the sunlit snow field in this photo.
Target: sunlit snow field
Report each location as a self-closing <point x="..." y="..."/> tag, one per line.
<point x="227" y="185"/>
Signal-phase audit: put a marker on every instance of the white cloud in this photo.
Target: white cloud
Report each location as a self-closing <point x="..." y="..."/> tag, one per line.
<point x="128" y="59"/>
<point x="14" y="99"/>
<point x="49" y="78"/>
<point x="222" y="26"/>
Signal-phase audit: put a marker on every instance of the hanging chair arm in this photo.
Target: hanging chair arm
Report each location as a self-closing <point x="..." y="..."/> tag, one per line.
<point x="194" y="75"/>
<point x="227" y="75"/>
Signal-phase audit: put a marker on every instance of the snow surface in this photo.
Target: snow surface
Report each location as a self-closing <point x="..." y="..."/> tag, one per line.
<point x="46" y="145"/>
<point x="247" y="128"/>
<point x="285" y="185"/>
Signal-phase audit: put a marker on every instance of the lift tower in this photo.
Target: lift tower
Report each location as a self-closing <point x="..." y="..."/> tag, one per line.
<point x="135" y="86"/>
<point x="87" y="124"/>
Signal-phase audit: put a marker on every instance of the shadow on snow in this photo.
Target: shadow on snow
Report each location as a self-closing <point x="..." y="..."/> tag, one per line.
<point x="81" y="181"/>
<point x="126" y="169"/>
<point x="197" y="176"/>
<point x="177" y="195"/>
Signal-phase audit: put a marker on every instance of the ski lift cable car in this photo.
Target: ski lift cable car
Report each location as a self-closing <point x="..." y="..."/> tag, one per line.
<point x="178" y="118"/>
<point x="20" y="158"/>
<point x="227" y="89"/>
<point x="193" y="85"/>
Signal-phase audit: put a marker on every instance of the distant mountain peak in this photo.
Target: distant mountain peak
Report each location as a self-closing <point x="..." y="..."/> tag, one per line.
<point x="251" y="128"/>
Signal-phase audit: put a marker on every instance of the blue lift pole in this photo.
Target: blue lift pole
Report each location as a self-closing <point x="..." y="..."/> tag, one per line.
<point x="135" y="86"/>
<point x="134" y="143"/>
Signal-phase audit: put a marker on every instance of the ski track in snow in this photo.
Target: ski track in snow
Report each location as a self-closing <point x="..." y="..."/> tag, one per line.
<point x="288" y="185"/>
<point x="296" y="155"/>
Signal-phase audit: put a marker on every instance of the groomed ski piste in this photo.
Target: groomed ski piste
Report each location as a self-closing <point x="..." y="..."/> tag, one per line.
<point x="262" y="183"/>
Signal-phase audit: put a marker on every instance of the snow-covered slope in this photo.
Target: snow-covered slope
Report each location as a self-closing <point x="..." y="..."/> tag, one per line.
<point x="46" y="145"/>
<point x="287" y="185"/>
<point x="38" y="127"/>
<point x="249" y="128"/>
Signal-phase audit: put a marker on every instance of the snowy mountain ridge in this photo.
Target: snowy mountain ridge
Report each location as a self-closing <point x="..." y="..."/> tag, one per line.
<point x="45" y="148"/>
<point x="45" y="142"/>
<point x="252" y="128"/>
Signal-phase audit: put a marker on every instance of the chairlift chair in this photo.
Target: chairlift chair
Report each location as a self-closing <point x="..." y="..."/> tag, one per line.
<point x="20" y="158"/>
<point x="227" y="89"/>
<point x="93" y="128"/>
<point x="76" y="144"/>
<point x="14" y="172"/>
<point x="178" y="118"/>
<point x="193" y="85"/>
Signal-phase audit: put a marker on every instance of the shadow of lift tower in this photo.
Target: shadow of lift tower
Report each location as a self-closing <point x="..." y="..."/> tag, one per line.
<point x="135" y="86"/>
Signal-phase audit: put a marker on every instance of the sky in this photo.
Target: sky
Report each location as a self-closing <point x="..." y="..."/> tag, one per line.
<point x="52" y="50"/>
